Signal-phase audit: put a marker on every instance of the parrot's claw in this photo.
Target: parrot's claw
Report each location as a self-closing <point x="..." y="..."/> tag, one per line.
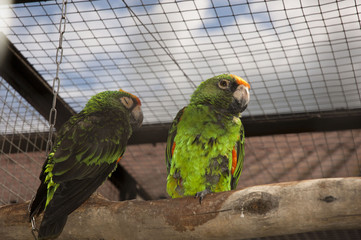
<point x="201" y="195"/>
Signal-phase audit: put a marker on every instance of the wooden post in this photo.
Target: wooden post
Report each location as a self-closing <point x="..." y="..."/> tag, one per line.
<point x="267" y="210"/>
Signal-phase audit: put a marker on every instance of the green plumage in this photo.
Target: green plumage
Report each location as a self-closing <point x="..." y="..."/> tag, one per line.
<point x="86" y="152"/>
<point x="204" y="139"/>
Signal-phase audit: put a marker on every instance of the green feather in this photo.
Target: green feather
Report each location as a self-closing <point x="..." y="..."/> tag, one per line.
<point x="226" y="133"/>
<point x="202" y="140"/>
<point x="79" y="140"/>
<point x="51" y="186"/>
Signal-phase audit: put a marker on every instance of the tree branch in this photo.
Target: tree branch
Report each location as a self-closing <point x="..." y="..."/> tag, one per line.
<point x="267" y="210"/>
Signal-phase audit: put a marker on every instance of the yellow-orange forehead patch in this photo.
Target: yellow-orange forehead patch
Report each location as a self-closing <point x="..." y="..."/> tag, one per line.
<point x="121" y="90"/>
<point x="240" y="81"/>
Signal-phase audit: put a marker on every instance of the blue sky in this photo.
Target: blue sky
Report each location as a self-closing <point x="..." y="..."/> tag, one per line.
<point x="299" y="57"/>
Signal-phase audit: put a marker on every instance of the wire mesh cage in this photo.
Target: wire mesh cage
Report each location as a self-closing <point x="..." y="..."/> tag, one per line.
<point x="18" y="168"/>
<point x="23" y="137"/>
<point x="301" y="59"/>
<point x="297" y="58"/>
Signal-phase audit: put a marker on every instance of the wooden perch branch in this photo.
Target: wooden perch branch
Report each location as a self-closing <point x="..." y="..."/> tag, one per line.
<point x="267" y="210"/>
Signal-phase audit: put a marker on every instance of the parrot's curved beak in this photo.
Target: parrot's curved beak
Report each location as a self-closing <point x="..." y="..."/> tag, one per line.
<point x="136" y="117"/>
<point x="241" y="99"/>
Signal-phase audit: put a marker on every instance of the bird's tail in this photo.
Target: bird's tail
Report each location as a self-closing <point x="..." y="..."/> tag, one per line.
<point x="38" y="203"/>
<point x="51" y="229"/>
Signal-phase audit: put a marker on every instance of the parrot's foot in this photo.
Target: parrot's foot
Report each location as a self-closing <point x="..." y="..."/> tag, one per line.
<point x="201" y="195"/>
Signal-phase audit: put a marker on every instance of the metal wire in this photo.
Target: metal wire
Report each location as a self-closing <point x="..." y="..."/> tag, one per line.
<point x="298" y="58"/>
<point x="163" y="46"/>
<point x="55" y="87"/>
<point x="19" y="165"/>
<point x="56" y="80"/>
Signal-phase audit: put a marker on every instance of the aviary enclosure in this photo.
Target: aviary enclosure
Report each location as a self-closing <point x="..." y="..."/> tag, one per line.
<point x="301" y="176"/>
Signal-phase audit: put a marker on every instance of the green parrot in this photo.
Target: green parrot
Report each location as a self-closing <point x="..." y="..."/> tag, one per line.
<point x="205" y="145"/>
<point x="87" y="150"/>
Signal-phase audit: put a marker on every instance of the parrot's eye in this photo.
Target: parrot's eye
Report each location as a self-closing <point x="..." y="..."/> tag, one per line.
<point x="127" y="102"/>
<point x="223" y="84"/>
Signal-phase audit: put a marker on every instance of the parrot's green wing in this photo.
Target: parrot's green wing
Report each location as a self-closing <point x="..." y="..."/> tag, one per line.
<point x="83" y="158"/>
<point x="87" y="143"/>
<point x="239" y="148"/>
<point x="170" y="140"/>
<point x="87" y="150"/>
<point x="86" y="146"/>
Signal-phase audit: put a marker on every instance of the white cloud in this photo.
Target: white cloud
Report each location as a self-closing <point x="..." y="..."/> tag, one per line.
<point x="297" y="59"/>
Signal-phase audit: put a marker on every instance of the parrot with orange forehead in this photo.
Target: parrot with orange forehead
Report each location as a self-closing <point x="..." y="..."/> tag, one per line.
<point x="205" y="145"/>
<point x="87" y="150"/>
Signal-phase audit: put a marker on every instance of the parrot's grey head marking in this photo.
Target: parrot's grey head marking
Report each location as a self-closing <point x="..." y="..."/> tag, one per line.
<point x="227" y="93"/>
<point x="133" y="104"/>
<point x="127" y="102"/>
<point x="136" y="114"/>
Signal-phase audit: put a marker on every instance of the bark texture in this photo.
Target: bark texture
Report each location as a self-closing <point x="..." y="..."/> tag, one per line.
<point x="267" y="210"/>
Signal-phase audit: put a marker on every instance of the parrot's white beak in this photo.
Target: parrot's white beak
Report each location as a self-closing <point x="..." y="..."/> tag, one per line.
<point x="241" y="95"/>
